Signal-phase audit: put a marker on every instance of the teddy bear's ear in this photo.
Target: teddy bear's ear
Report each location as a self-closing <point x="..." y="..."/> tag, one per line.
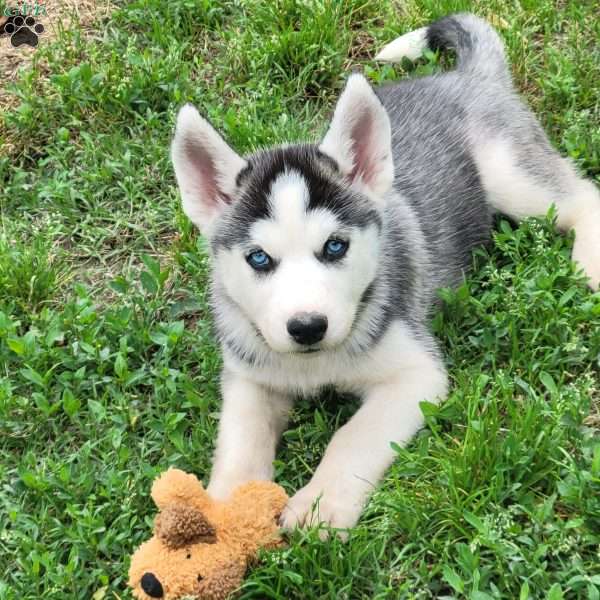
<point x="176" y="486"/>
<point x="179" y="525"/>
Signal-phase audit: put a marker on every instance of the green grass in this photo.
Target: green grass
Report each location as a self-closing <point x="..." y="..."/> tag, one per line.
<point x="108" y="372"/>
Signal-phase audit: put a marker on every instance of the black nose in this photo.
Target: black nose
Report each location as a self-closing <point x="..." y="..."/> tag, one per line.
<point x="307" y="328"/>
<point x="152" y="586"/>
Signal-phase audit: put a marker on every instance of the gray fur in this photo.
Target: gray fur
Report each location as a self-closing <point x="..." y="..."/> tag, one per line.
<point x="438" y="121"/>
<point x="479" y="49"/>
<point x="437" y="213"/>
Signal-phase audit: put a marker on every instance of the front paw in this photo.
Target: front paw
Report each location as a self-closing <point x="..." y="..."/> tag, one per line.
<point x="313" y="506"/>
<point x="220" y="489"/>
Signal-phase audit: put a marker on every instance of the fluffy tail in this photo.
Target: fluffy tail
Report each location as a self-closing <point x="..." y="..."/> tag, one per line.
<point x="479" y="49"/>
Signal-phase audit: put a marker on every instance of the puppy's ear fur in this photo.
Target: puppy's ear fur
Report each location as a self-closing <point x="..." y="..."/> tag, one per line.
<point x="359" y="138"/>
<point x="205" y="167"/>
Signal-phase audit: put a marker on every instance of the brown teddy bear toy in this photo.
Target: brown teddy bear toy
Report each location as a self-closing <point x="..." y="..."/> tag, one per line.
<point x="201" y="547"/>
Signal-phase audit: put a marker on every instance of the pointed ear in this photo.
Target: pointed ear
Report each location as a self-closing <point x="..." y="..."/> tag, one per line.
<point x="205" y="166"/>
<point x="360" y="139"/>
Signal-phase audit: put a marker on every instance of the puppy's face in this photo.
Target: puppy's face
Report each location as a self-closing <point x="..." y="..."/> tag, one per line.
<point x="294" y="231"/>
<point x="297" y="249"/>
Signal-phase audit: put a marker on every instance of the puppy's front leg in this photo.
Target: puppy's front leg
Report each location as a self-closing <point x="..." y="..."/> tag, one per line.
<point x="360" y="451"/>
<point x="252" y="419"/>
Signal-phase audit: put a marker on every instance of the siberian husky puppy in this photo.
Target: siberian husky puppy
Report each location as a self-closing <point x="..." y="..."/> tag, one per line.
<point x="326" y="257"/>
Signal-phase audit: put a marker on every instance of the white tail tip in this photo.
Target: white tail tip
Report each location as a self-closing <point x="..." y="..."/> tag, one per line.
<point x="410" y="45"/>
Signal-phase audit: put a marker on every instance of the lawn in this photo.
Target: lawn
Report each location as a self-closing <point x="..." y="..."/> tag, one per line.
<point x="109" y="373"/>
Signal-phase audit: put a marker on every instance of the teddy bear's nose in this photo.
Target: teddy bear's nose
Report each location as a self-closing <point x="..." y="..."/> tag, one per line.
<point x="151" y="585"/>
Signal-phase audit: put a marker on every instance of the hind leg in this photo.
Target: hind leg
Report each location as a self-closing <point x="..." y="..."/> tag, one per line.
<point x="524" y="180"/>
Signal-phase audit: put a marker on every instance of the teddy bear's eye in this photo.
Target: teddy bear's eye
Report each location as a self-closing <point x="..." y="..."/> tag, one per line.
<point x="189" y="555"/>
<point x="200" y="578"/>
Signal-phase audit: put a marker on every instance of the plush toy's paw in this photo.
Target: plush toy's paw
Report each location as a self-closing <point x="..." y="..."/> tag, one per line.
<point x="311" y="507"/>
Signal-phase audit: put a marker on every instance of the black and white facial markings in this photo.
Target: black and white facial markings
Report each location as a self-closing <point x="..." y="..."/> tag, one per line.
<point x="295" y="231"/>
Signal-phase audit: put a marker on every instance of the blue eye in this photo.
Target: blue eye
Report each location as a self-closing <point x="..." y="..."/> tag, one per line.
<point x="334" y="249"/>
<point x="259" y="260"/>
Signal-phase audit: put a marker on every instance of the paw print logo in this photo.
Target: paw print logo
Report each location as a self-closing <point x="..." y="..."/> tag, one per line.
<point x="22" y="30"/>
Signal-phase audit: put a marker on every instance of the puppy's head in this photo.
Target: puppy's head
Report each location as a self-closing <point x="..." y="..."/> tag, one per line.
<point x="294" y="231"/>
